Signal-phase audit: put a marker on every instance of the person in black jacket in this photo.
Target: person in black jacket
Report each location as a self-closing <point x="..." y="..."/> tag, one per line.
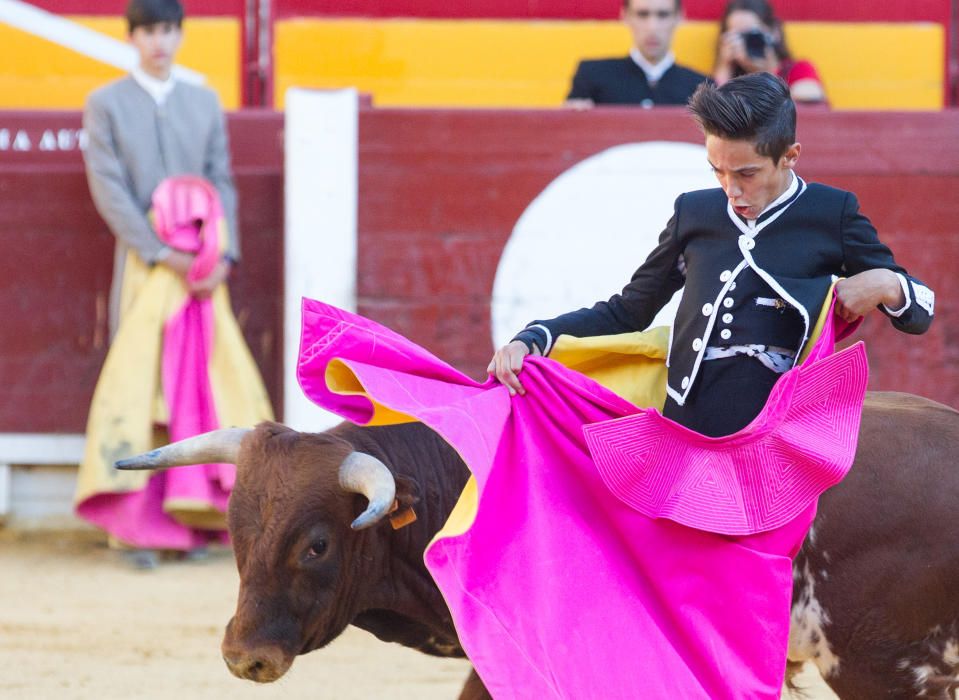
<point x="649" y="75"/>
<point x="756" y="257"/>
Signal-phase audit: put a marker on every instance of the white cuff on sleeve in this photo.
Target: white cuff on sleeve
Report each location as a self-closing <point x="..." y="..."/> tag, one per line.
<point x="905" y="290"/>
<point x="549" y="337"/>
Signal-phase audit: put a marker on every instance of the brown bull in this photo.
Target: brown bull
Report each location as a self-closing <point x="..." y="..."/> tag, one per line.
<point x="873" y="605"/>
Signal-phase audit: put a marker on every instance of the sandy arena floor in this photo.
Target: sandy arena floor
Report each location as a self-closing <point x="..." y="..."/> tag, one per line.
<point x="75" y="622"/>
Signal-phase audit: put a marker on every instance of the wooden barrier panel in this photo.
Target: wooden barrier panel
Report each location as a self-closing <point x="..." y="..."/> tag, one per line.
<point x="58" y="255"/>
<point x="440" y="193"/>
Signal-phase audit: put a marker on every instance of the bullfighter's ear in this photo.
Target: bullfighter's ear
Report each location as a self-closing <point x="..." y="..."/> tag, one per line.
<point x="407" y="495"/>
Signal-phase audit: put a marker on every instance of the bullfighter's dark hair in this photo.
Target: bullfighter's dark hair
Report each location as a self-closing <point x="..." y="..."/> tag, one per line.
<point x="755" y="107"/>
<point x="143" y="13"/>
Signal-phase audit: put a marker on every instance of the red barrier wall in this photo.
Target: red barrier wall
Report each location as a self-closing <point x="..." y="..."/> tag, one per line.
<point x="824" y="10"/>
<point x="57" y="262"/>
<point x="440" y="192"/>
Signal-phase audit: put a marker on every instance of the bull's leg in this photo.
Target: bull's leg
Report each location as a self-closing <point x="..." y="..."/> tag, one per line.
<point x="474" y="688"/>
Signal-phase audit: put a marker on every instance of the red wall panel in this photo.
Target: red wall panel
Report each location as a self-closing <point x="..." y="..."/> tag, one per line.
<point x="848" y="11"/>
<point x="57" y="263"/>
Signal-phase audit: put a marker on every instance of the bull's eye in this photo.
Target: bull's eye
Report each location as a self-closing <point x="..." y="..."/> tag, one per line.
<point x="317" y="549"/>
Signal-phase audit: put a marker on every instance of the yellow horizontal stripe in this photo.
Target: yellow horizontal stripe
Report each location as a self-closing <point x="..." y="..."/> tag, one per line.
<point x="529" y="64"/>
<point x="39" y="74"/>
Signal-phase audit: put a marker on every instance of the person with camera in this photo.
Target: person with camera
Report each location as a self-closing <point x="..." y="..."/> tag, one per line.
<point x="751" y="40"/>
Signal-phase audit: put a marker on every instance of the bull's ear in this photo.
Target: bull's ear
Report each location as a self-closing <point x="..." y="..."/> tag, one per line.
<point x="407" y="491"/>
<point x="407" y="495"/>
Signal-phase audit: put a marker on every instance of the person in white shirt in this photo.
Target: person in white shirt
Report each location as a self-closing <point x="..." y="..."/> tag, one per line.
<point x="649" y="75"/>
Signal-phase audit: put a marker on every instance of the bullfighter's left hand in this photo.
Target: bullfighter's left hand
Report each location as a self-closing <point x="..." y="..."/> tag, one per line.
<point x="858" y="295"/>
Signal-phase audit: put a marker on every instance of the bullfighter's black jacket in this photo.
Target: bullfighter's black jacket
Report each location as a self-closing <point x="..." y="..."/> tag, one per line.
<point x="761" y="284"/>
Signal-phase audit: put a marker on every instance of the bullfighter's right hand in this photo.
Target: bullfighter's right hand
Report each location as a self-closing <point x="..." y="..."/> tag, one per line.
<point x="507" y="363"/>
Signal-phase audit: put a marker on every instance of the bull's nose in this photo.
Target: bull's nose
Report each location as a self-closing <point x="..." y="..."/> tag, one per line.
<point x="262" y="667"/>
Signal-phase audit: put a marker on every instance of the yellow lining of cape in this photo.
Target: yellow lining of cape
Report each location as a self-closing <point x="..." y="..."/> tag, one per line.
<point x="632" y="365"/>
<point x="128" y="400"/>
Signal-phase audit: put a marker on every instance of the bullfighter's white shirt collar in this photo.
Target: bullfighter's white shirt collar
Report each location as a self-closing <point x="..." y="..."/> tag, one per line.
<point x="159" y="90"/>
<point x="654" y="71"/>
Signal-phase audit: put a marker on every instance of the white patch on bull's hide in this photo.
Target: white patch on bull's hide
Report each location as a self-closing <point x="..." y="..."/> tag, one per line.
<point x="934" y="665"/>
<point x="950" y="653"/>
<point x="443" y="647"/>
<point x="811" y="535"/>
<point x="922" y="674"/>
<point x="807" y="637"/>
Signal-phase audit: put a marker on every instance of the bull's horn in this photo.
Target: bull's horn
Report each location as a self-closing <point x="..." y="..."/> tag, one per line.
<point x="209" y="448"/>
<point x="365" y="474"/>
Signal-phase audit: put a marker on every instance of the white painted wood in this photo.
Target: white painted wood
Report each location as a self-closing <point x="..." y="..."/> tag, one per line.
<point x="42" y="497"/>
<point x="34" y="491"/>
<point x="83" y="40"/>
<point x="4" y="490"/>
<point x="321" y="188"/>
<point x="41" y="448"/>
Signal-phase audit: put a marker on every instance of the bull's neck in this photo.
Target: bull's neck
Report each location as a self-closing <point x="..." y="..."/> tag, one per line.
<point x="407" y="587"/>
<point x="403" y="585"/>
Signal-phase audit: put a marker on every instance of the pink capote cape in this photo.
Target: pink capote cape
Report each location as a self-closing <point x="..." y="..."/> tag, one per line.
<point x="612" y="553"/>
<point x="187" y="216"/>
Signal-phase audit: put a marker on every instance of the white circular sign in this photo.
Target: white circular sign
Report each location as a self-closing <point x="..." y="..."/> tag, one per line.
<point x="582" y="238"/>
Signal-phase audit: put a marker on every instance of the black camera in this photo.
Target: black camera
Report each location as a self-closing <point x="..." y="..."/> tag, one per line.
<point x="756" y="41"/>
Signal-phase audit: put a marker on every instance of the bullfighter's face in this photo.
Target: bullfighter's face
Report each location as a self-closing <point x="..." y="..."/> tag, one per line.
<point x="750" y="180"/>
